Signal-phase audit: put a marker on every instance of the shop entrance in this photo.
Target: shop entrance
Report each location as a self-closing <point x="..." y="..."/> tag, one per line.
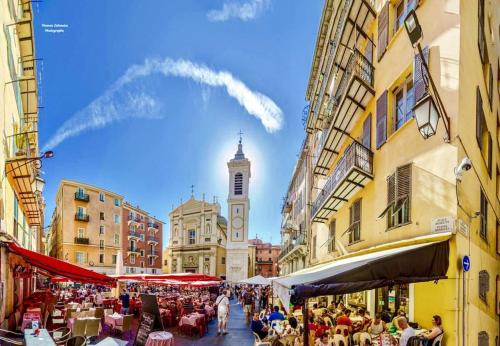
<point x="394" y="299"/>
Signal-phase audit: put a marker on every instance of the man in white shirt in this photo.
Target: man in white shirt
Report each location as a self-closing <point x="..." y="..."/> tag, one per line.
<point x="222" y="302"/>
<point x="407" y="331"/>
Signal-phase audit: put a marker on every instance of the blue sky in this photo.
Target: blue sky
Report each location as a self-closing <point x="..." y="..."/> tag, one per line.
<point x="175" y="121"/>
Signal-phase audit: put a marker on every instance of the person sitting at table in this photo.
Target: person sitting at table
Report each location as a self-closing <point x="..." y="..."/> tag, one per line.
<point x="125" y="299"/>
<point x="312" y="326"/>
<point x="377" y="326"/>
<point x="344" y="320"/>
<point x="258" y="327"/>
<point x="322" y="327"/>
<point x="323" y="340"/>
<point x="98" y="298"/>
<point x="436" y="331"/>
<point x="406" y="331"/>
<point x="366" y="318"/>
<point x="276" y="315"/>
<point x="187" y="307"/>
<point x="401" y="313"/>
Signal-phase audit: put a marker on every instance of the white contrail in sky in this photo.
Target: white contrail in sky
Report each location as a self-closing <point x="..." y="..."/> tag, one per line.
<point x="120" y="101"/>
<point x="242" y="10"/>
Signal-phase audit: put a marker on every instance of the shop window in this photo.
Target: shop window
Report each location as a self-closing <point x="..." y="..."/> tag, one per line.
<point x="484" y="285"/>
<point x="393" y="299"/>
<point x="355" y="222"/>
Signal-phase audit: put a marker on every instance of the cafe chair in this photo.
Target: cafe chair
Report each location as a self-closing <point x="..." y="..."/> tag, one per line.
<point x="79" y="326"/>
<point x="288" y="340"/>
<point x="9" y="341"/>
<point x="92" y="329"/>
<point x="339" y="340"/>
<point x="60" y="335"/>
<point x="328" y="321"/>
<point x="126" y="327"/>
<point x="262" y="314"/>
<point x="438" y="341"/>
<point x="76" y="341"/>
<point x="99" y="312"/>
<point x="342" y="330"/>
<point x="259" y="342"/>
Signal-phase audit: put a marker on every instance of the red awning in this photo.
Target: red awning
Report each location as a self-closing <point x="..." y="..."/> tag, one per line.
<point x="185" y="277"/>
<point x="60" y="268"/>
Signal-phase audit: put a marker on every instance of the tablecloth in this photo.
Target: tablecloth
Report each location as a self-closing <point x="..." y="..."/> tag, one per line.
<point x="28" y="318"/>
<point x="160" y="338"/>
<point x="43" y="339"/>
<point x="113" y="320"/>
<point x="34" y="310"/>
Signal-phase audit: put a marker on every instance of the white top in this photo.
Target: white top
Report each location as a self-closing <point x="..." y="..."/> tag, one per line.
<point x="405" y="335"/>
<point x="222" y="304"/>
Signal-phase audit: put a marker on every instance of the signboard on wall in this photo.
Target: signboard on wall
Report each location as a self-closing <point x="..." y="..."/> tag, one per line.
<point x="443" y="224"/>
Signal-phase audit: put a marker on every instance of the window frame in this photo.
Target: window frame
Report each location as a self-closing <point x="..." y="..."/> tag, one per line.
<point x="102" y="197"/>
<point x="192" y="237"/>
<point x="483" y="217"/>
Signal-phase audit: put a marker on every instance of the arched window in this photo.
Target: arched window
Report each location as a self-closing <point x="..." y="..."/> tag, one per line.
<point x="238" y="184"/>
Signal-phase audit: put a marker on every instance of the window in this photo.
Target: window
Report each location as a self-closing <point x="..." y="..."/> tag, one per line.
<point x="483" y="339"/>
<point x="207" y="240"/>
<point x="117" y="218"/>
<point x="355" y="221"/>
<point x="113" y="259"/>
<point x="101" y="244"/>
<point x="484" y="285"/>
<point x="483" y="136"/>
<point x="223" y="260"/>
<point x="151" y="261"/>
<point x="481" y="39"/>
<point x="80" y="211"/>
<point x="80" y="257"/>
<point x="269" y="251"/>
<point x="81" y="233"/>
<point x="141" y="237"/>
<point x="142" y="264"/>
<point x="117" y="202"/>
<point x="130" y="215"/>
<point x="132" y="259"/>
<point x="238" y="184"/>
<point x="142" y="253"/>
<point x="101" y="215"/>
<point x="101" y="197"/>
<point x="331" y="237"/>
<point x="404" y="100"/>
<point x="483" y="222"/>
<point x="165" y="262"/>
<point x="313" y="250"/>
<point x="117" y="239"/>
<point x="101" y="258"/>
<point x="398" y="197"/>
<point x="192" y="236"/>
<point x="401" y="10"/>
<point x="101" y="229"/>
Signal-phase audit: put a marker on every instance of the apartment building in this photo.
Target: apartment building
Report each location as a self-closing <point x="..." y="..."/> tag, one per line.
<point x="141" y="241"/>
<point x="21" y="202"/>
<point x="266" y="258"/>
<point x="86" y="226"/>
<point x="377" y="183"/>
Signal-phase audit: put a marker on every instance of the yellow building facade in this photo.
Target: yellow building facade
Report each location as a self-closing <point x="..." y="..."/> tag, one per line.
<point x="21" y="202"/>
<point x="86" y="227"/>
<point x="376" y="183"/>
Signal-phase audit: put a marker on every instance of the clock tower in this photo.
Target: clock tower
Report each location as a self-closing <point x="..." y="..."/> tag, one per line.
<point x="238" y="208"/>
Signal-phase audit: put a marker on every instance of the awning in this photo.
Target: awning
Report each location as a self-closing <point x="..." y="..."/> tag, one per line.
<point x="256" y="280"/>
<point x="405" y="264"/>
<point x="175" y="276"/>
<point x="60" y="268"/>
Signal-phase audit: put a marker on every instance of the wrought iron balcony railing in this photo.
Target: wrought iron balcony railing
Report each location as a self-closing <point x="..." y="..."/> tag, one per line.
<point x="80" y="196"/>
<point x="299" y="240"/>
<point x="83" y="241"/>
<point x="81" y="217"/>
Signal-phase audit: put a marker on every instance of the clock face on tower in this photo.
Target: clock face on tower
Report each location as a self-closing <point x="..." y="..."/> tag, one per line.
<point x="237" y="223"/>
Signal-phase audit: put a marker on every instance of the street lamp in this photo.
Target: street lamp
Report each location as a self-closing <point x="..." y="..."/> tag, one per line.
<point x="38" y="184"/>
<point x="426" y="116"/>
<point x="429" y="108"/>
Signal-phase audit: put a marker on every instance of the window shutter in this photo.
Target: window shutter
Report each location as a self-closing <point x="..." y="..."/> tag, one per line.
<point x="383" y="30"/>
<point x="355" y="214"/>
<point x="480" y="31"/>
<point x="490" y="154"/>
<point x="479" y="118"/>
<point x="381" y="134"/>
<point x="369" y="50"/>
<point x="367" y="129"/>
<point x="418" y="73"/>
<point x="403" y="182"/>
<point x="484" y="284"/>
<point x="490" y="87"/>
<point x="391" y="189"/>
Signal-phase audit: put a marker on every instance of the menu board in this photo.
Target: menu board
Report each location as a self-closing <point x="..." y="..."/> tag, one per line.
<point x="145" y="328"/>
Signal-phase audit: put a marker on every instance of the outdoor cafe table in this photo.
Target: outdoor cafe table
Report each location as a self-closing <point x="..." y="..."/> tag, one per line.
<point x="160" y="338"/>
<point x="42" y="339"/>
<point x="113" y="320"/>
<point x="194" y="320"/>
<point x="109" y="341"/>
<point x="28" y="318"/>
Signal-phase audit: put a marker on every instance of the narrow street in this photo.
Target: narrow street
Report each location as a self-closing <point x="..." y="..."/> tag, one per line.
<point x="239" y="333"/>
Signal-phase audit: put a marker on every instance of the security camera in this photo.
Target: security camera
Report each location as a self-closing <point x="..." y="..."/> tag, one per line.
<point x="464" y="166"/>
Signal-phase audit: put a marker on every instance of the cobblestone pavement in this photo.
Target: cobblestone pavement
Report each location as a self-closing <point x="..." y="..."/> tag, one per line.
<point x="238" y="333"/>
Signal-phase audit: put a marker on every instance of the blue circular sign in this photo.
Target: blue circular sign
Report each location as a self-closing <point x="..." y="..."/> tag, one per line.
<point x="466" y="263"/>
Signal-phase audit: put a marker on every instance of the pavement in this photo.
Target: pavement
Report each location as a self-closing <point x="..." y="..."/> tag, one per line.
<point x="238" y="333"/>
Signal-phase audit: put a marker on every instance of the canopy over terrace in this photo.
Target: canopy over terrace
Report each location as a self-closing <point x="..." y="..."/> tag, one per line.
<point x="53" y="267"/>
<point x="256" y="280"/>
<point x="421" y="262"/>
<point x="182" y="277"/>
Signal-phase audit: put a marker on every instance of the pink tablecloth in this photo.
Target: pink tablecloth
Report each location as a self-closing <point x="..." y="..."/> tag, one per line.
<point x="113" y="321"/>
<point x="160" y="339"/>
<point x="28" y="318"/>
<point x="34" y="310"/>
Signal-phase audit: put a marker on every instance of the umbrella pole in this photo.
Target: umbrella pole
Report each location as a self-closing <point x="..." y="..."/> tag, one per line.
<point x="305" y="320"/>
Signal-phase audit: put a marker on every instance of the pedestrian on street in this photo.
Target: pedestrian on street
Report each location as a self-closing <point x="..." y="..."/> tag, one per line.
<point x="223" y="310"/>
<point x="248" y="299"/>
<point x="125" y="299"/>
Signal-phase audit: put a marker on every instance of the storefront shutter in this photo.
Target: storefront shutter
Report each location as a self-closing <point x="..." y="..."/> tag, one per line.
<point x="367" y="129"/>
<point x="383" y="30"/>
<point x="418" y="73"/>
<point x="381" y="134"/>
<point x="480" y="31"/>
<point x="479" y="118"/>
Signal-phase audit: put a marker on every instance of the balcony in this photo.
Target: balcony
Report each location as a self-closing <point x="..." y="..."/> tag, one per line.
<point x="152" y="227"/>
<point x="82" y="217"/>
<point x="264" y="262"/>
<point x="352" y="172"/>
<point x="134" y="235"/>
<point x="80" y="196"/>
<point x="82" y="241"/>
<point x="297" y="248"/>
<point x="355" y="90"/>
<point x="133" y="250"/>
<point x="352" y="22"/>
<point x="152" y="240"/>
<point x="153" y="253"/>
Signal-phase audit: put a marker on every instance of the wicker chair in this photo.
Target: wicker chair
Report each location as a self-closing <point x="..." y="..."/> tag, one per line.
<point x="92" y="329"/>
<point x="259" y="342"/>
<point x="76" y="341"/>
<point x="60" y="335"/>
<point x="79" y="326"/>
<point x="126" y="327"/>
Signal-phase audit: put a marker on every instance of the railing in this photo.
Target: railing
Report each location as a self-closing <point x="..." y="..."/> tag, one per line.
<point x="80" y="196"/>
<point x="355" y="156"/>
<point x="151" y="238"/>
<point x="152" y="225"/>
<point x="81" y="217"/>
<point x="133" y="249"/>
<point x="153" y="253"/>
<point x="300" y="240"/>
<point x="80" y="240"/>
<point x="134" y="234"/>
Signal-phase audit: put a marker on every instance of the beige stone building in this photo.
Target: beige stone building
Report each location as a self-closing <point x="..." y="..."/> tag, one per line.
<point x="86" y="227"/>
<point x="198" y="236"/>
